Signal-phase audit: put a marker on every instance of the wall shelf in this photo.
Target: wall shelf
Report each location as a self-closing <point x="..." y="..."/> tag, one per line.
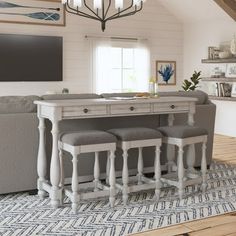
<point x="221" y="79"/>
<point x="232" y="99"/>
<point x="216" y="61"/>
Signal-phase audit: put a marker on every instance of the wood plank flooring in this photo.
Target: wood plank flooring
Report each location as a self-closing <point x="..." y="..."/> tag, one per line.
<point x="224" y="225"/>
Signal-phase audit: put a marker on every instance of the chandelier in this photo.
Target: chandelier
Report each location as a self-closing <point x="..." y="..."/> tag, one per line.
<point x="103" y="10"/>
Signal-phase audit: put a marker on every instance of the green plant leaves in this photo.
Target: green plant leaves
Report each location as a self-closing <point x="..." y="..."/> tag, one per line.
<point x="191" y="85"/>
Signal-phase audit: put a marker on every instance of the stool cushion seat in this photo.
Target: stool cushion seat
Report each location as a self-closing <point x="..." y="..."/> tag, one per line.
<point x="87" y="137"/>
<point x="132" y="134"/>
<point x="182" y="131"/>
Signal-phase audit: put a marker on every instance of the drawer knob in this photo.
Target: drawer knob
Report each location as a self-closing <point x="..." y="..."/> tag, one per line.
<point x="86" y="110"/>
<point x="172" y="106"/>
<point x="131" y="108"/>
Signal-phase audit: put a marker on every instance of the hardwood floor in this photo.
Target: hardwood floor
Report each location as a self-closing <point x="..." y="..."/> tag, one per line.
<point x="224" y="150"/>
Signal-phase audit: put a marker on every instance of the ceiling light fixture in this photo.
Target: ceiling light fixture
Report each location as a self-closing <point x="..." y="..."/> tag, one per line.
<point x="103" y="10"/>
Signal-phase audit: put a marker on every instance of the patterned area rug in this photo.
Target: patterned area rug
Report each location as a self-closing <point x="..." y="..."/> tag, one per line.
<point x="21" y="214"/>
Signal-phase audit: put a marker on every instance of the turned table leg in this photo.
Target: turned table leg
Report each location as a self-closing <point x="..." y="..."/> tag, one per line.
<point x="125" y="176"/>
<point x="55" y="193"/>
<point x="42" y="160"/>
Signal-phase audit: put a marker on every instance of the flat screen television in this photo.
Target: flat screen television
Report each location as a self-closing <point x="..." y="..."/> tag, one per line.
<point x="30" y="58"/>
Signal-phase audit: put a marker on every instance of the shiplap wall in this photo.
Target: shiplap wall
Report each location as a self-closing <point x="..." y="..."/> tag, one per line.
<point x="163" y="31"/>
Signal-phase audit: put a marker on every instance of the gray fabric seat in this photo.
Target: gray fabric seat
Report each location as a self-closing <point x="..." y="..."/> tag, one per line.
<point x="87" y="137"/>
<point x="182" y="131"/>
<point x="139" y="133"/>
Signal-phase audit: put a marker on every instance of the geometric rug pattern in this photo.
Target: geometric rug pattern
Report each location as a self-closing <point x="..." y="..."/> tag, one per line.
<point x="22" y="214"/>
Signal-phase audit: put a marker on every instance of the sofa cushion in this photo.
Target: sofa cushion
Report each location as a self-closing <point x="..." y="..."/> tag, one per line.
<point x="18" y="104"/>
<point x="200" y="95"/>
<point x="139" y="133"/>
<point x="182" y="131"/>
<point x="87" y="137"/>
<point x="70" y="96"/>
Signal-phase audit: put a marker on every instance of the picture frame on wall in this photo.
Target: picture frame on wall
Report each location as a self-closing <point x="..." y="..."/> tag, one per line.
<point x="231" y="70"/>
<point x="166" y="72"/>
<point x="32" y="12"/>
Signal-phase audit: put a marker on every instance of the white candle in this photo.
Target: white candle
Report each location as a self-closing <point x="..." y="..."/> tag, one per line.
<point x="119" y="4"/>
<point x="137" y="3"/>
<point x="97" y="4"/>
<point x="77" y="3"/>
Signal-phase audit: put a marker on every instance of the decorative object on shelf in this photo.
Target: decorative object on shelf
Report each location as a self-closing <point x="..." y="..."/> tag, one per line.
<point x="153" y="87"/>
<point x="166" y="72"/>
<point x="213" y="52"/>
<point x="217" y="72"/>
<point x="223" y="89"/>
<point x="231" y="70"/>
<point x="224" y="54"/>
<point x="65" y="90"/>
<point x="101" y="10"/>
<point x="32" y="12"/>
<point x="191" y="85"/>
<point x="233" y="92"/>
<point x="233" y="46"/>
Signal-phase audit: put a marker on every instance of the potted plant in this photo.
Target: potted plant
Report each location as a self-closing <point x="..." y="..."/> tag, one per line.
<point x="192" y="84"/>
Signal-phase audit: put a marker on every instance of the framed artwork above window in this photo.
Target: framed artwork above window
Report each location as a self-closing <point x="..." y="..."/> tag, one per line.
<point x="166" y="72"/>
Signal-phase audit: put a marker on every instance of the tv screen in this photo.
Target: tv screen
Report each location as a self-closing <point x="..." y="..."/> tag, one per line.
<point x="30" y="58"/>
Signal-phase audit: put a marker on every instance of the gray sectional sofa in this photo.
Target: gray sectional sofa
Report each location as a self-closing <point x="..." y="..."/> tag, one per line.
<point x="19" y="136"/>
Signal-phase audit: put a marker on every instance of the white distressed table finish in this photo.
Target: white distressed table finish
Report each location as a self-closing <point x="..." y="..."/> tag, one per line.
<point x="57" y="110"/>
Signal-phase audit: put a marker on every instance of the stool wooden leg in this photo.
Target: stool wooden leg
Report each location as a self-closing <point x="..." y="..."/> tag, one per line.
<point x="191" y="158"/>
<point x="108" y="168"/>
<point x="170" y="158"/>
<point x="112" y="179"/>
<point x="125" y="176"/>
<point x="62" y="181"/>
<point x="204" y="167"/>
<point x="157" y="168"/>
<point x="140" y="165"/>
<point x="181" y="171"/>
<point x="96" y="171"/>
<point x="74" y="184"/>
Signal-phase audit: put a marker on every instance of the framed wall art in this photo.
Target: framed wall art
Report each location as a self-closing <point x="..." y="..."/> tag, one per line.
<point x="32" y="12"/>
<point x="231" y="70"/>
<point x="233" y="91"/>
<point x="166" y="72"/>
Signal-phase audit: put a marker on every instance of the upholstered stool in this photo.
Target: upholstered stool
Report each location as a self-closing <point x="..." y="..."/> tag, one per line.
<point x="181" y="136"/>
<point x="84" y="142"/>
<point x="138" y="138"/>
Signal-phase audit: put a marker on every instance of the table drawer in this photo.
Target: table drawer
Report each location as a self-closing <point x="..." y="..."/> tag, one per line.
<point x="84" y="111"/>
<point x="130" y="109"/>
<point x="171" y="107"/>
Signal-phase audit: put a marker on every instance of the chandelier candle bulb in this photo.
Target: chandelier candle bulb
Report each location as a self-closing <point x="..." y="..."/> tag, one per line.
<point x="137" y="3"/>
<point x="97" y="4"/>
<point x="119" y="4"/>
<point x="78" y="3"/>
<point x="63" y="1"/>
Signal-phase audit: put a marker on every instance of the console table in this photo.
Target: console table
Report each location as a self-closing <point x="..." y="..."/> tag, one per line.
<point x="57" y="110"/>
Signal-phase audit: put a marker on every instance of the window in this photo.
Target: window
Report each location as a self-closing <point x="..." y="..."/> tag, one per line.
<point x="120" y="67"/>
<point x="123" y="70"/>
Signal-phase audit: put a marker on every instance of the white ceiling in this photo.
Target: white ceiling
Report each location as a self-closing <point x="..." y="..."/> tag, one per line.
<point x="195" y="10"/>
